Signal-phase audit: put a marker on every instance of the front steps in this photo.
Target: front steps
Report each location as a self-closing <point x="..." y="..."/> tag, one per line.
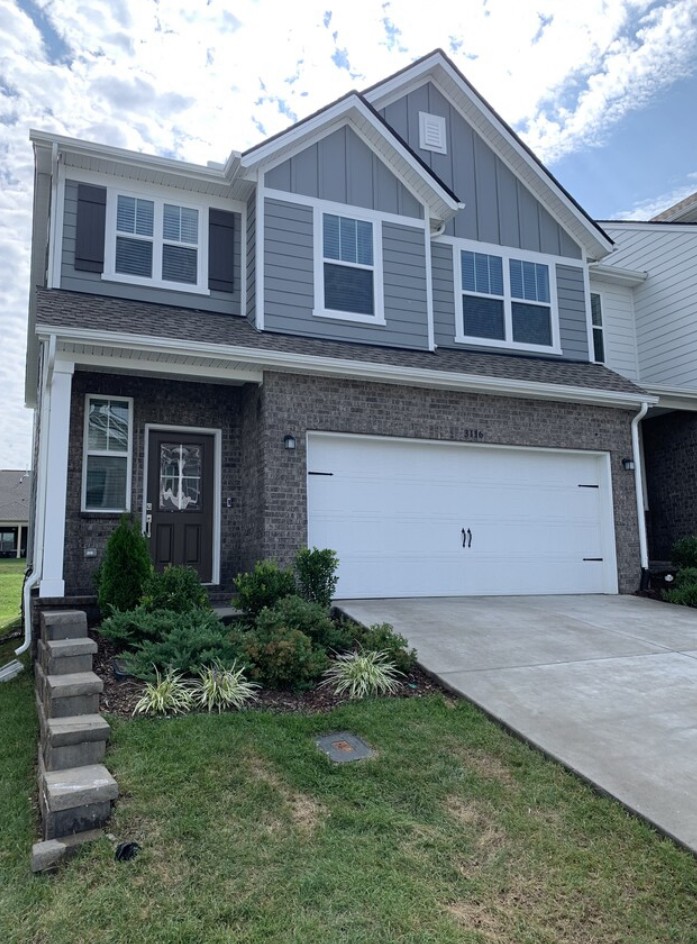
<point x="76" y="792"/>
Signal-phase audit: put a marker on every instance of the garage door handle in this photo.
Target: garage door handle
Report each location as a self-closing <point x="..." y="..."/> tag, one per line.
<point x="466" y="538"/>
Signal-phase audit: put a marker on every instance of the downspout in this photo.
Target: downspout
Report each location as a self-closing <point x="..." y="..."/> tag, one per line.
<point x="639" y="484"/>
<point x="40" y="510"/>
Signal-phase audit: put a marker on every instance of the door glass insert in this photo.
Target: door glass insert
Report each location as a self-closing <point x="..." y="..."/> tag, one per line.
<point x="180" y="477"/>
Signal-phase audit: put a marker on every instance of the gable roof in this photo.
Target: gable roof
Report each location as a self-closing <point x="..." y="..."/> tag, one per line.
<point x="684" y="211"/>
<point x="354" y="110"/>
<point x="14" y="495"/>
<point x="436" y="67"/>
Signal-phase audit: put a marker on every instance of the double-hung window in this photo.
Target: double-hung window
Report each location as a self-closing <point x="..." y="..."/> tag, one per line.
<point x="349" y="269"/>
<point x="154" y="242"/>
<point x="505" y="301"/>
<point x="106" y="470"/>
<point x="597" y="322"/>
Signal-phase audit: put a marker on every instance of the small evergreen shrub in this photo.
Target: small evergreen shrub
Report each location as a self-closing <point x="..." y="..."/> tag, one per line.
<point x="381" y="637"/>
<point x="310" y="618"/>
<point x="128" y="628"/>
<point x="165" y="696"/>
<point x="684" y="593"/>
<point x="284" y="659"/>
<point x="684" y="552"/>
<point x="362" y="674"/>
<point x="176" y="588"/>
<point x="264" y="586"/>
<point x="192" y="640"/>
<point x="316" y="575"/>
<point x="125" y="568"/>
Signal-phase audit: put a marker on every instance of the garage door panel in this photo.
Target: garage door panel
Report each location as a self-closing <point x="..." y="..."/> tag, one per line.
<point x="397" y="511"/>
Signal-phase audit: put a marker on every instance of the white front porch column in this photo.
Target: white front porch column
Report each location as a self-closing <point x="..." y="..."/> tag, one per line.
<point x="56" y="471"/>
<point x="19" y="540"/>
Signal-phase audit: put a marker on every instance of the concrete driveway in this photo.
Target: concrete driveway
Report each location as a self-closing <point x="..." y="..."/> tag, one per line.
<point x="605" y="684"/>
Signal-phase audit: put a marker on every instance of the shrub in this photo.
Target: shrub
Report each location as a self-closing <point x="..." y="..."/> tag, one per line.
<point x="316" y="575"/>
<point x="176" y="588"/>
<point x="684" y="593"/>
<point x="221" y="687"/>
<point x="381" y="637"/>
<point x="310" y="618"/>
<point x="264" y="586"/>
<point x="168" y="695"/>
<point x="284" y="658"/>
<point x="684" y="552"/>
<point x="359" y="674"/>
<point x="128" y="628"/>
<point x="124" y="569"/>
<point x="192" y="640"/>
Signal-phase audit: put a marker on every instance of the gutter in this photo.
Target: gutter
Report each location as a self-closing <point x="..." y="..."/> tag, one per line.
<point x="639" y="483"/>
<point x="352" y="369"/>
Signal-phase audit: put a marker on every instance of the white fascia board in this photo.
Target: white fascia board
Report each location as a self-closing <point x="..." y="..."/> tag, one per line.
<point x="498" y="136"/>
<point x="648" y="227"/>
<point x="351" y="369"/>
<point x="396" y="155"/>
<point x="617" y="275"/>
<point x="134" y="159"/>
<point x="673" y="398"/>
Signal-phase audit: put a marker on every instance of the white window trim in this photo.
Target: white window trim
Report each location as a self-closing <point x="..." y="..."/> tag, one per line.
<point x="594" y="328"/>
<point x="349" y="212"/>
<point x="111" y="275"/>
<point x="86" y="451"/>
<point x="506" y="253"/>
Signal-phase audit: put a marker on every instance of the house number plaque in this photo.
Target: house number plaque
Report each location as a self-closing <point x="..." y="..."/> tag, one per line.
<point x="473" y="434"/>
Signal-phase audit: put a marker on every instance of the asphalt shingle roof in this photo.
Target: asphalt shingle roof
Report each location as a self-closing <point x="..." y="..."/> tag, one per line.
<point x="14" y="495"/>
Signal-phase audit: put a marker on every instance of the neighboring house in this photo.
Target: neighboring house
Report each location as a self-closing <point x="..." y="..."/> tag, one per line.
<point x="14" y="512"/>
<point x="645" y="305"/>
<point x="371" y="332"/>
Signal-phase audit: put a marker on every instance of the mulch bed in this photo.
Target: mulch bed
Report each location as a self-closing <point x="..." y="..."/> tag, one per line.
<point x="120" y="697"/>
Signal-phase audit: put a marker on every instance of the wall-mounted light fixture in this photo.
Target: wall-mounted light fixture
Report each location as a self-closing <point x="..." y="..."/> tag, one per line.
<point x="628" y="465"/>
<point x="289" y="442"/>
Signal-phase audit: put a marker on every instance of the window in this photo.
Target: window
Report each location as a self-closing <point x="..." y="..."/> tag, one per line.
<point x="106" y="474"/>
<point x="349" y="269"/>
<point x="154" y="243"/>
<point x="597" y="322"/>
<point x="506" y="301"/>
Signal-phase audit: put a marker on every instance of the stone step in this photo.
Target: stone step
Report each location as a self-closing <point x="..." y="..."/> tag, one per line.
<point x="75" y="800"/>
<point x="66" y="656"/>
<point x="74" y="742"/>
<point x="49" y="853"/>
<point x="63" y="624"/>
<point x="63" y="696"/>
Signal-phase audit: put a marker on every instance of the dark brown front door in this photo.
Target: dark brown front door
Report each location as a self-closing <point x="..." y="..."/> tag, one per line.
<point x="180" y="500"/>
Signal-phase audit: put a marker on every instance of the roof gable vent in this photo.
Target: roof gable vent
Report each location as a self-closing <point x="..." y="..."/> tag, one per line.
<point x="432" y="133"/>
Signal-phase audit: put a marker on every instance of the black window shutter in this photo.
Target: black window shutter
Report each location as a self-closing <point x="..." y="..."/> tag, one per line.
<point x="91" y="220"/>
<point x="221" y="248"/>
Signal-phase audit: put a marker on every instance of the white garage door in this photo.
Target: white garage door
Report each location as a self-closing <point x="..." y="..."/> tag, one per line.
<point x="416" y="518"/>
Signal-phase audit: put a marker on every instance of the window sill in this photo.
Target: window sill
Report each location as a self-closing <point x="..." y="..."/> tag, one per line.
<point x="508" y="345"/>
<point x="103" y="512"/>
<point x="185" y="287"/>
<point x="349" y="316"/>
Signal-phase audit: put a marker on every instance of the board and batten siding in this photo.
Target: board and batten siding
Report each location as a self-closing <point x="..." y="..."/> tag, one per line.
<point x="498" y="207"/>
<point x="289" y="282"/>
<point x="571" y="301"/>
<point x="225" y="303"/>
<point x="665" y="305"/>
<point x="619" y="334"/>
<point x="342" y="168"/>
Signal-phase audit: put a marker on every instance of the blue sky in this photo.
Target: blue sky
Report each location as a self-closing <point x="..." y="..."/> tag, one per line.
<point x="604" y="92"/>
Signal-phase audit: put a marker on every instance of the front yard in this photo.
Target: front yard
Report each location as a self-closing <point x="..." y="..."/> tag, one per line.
<point x="454" y="832"/>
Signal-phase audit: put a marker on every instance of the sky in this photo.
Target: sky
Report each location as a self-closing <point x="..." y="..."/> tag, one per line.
<point x="604" y="91"/>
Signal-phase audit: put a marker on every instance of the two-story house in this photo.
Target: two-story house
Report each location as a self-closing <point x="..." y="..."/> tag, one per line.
<point x="644" y="305"/>
<point x="371" y="332"/>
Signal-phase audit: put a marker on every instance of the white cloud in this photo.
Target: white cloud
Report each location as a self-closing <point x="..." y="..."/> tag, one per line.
<point x="197" y="80"/>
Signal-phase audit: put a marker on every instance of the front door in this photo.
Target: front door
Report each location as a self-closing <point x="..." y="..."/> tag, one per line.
<point x="180" y="500"/>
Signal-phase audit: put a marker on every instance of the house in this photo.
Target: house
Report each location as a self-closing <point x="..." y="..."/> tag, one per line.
<point x="14" y="512"/>
<point x="371" y="332"/>
<point x="644" y="300"/>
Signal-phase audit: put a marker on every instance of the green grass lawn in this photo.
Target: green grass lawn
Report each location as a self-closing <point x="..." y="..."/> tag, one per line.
<point x="11" y="579"/>
<point x="454" y="832"/>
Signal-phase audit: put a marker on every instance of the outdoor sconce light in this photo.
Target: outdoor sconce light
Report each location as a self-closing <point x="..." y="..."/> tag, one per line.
<point x="289" y="442"/>
<point x="628" y="465"/>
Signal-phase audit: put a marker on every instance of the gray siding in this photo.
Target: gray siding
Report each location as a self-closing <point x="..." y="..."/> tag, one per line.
<point x="289" y="275"/>
<point x="573" y="326"/>
<point x="77" y="281"/>
<point x="570" y="298"/>
<point x="498" y="208"/>
<point x="342" y="168"/>
<point x="251" y="258"/>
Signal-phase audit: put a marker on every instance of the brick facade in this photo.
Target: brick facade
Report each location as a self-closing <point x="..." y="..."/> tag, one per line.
<point x="266" y="483"/>
<point x="670" y="445"/>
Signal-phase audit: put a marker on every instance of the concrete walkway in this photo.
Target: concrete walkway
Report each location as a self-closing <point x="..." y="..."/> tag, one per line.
<point x="605" y="684"/>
